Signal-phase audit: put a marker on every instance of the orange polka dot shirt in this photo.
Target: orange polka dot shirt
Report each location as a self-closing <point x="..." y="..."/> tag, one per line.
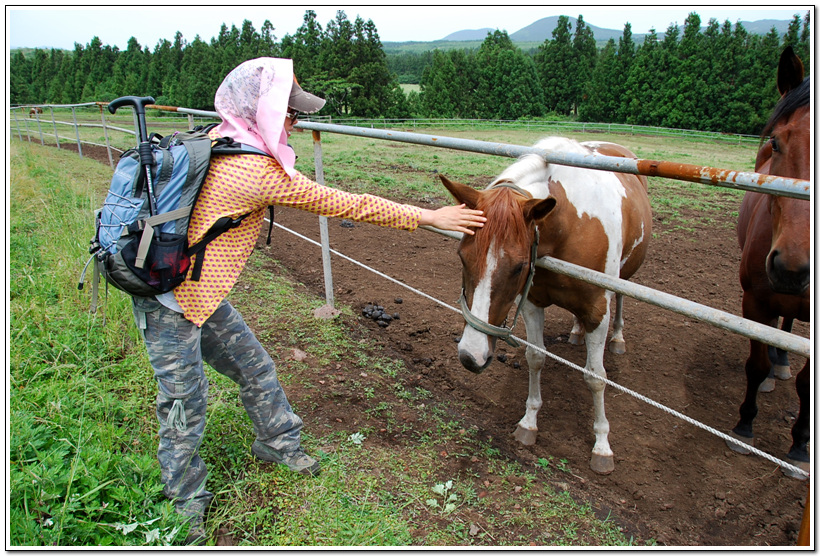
<point x="242" y="184"/>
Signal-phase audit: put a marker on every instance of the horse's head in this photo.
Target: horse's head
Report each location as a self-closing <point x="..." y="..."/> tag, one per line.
<point x="495" y="263"/>
<point x="787" y="153"/>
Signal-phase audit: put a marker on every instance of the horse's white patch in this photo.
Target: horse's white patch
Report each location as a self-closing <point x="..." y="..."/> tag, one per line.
<point x="637" y="242"/>
<point x="473" y="341"/>
<point x="595" y="193"/>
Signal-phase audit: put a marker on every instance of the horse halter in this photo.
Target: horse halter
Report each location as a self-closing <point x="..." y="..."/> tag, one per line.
<point x="504" y="332"/>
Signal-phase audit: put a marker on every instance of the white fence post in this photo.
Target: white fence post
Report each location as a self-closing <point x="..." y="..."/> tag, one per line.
<point x="54" y="123"/>
<point x="105" y="131"/>
<point x="39" y="128"/>
<point x="77" y="131"/>
<point x="28" y="132"/>
<point x="17" y="124"/>
<point x="323" y="231"/>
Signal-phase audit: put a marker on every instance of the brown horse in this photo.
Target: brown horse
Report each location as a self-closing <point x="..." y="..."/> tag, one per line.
<point x="774" y="234"/>
<point x="34" y="111"/>
<point x="597" y="219"/>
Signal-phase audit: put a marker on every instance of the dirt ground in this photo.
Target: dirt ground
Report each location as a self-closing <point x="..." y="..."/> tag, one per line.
<point x="673" y="482"/>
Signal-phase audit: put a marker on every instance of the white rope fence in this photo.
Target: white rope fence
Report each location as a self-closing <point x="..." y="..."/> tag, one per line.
<point x="641" y="397"/>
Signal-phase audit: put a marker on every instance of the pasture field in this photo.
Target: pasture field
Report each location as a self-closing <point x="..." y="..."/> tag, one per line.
<point x="410" y="87"/>
<point x="402" y="465"/>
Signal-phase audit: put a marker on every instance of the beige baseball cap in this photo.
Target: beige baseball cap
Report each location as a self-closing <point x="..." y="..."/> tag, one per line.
<point x="303" y="101"/>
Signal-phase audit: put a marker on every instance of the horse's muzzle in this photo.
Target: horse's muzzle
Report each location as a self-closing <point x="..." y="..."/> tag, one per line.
<point x="469" y="362"/>
<point x="785" y="280"/>
<point x="790" y="285"/>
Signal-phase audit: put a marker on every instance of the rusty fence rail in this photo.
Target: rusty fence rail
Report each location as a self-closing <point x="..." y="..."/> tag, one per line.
<point x="748" y="181"/>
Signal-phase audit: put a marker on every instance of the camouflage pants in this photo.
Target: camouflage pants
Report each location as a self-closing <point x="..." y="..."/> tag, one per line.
<point x="177" y="348"/>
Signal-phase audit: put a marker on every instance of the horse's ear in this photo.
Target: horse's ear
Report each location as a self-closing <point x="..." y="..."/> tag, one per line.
<point x="536" y="209"/>
<point x="462" y="193"/>
<point x="789" y="71"/>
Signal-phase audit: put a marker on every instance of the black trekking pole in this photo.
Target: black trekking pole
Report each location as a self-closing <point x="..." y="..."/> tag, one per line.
<point x="146" y="156"/>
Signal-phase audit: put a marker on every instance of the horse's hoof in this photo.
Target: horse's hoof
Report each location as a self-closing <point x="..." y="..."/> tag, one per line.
<point x="576" y="339"/>
<point x="740" y="448"/>
<point x="783" y="372"/>
<point x="525" y="436"/>
<point x="603" y="465"/>
<point x="804" y="465"/>
<point x="618" y="347"/>
<point x="767" y="385"/>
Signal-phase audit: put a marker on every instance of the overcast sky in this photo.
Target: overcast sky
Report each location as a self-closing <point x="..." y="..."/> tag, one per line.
<point x="61" y="27"/>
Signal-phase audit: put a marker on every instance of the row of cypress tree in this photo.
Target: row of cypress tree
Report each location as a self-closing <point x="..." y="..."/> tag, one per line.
<point x="344" y="62"/>
<point x="717" y="79"/>
<point x="720" y="79"/>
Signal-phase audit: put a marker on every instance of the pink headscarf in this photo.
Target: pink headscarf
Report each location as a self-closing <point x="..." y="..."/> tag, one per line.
<point x="252" y="101"/>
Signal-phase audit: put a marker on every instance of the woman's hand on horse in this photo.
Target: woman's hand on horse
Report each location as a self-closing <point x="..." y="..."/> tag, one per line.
<point x="457" y="218"/>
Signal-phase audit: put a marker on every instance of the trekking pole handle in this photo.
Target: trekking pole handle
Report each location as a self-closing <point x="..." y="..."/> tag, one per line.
<point x="139" y="104"/>
<point x="146" y="156"/>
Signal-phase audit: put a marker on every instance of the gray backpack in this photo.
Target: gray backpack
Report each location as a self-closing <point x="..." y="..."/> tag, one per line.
<point x="141" y="241"/>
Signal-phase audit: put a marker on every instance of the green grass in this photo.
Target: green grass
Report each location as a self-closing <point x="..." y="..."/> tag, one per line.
<point x="82" y="442"/>
<point x="81" y="468"/>
<point x="408" y="87"/>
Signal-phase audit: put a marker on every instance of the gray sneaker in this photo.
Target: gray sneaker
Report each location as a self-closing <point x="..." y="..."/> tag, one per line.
<point x="296" y="460"/>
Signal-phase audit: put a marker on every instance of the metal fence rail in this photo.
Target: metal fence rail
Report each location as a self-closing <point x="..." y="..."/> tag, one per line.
<point x="748" y="181"/>
<point x="29" y="122"/>
<point x="558" y="126"/>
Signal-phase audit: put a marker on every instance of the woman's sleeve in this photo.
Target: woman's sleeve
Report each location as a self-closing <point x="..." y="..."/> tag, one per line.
<point x="302" y="193"/>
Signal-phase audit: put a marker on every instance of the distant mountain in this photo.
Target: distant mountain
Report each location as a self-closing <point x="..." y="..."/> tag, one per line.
<point x="469" y="35"/>
<point x="763" y="26"/>
<point x="542" y="30"/>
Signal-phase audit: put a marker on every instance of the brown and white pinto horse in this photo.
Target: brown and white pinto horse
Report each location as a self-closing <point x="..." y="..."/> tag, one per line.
<point x="597" y="219"/>
<point x="774" y="234"/>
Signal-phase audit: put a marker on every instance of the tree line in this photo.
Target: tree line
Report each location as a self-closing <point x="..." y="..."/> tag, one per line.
<point x="717" y="79"/>
<point x="721" y="79"/>
<point x="343" y="62"/>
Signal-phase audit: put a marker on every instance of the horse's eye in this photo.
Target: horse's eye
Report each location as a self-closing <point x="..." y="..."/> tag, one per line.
<point x="518" y="268"/>
<point x="775" y="146"/>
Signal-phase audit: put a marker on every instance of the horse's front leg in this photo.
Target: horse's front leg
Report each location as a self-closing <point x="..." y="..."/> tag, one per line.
<point x="527" y="428"/>
<point x="780" y="361"/>
<point x="799" y="453"/>
<point x="757" y="369"/>
<point x="603" y="460"/>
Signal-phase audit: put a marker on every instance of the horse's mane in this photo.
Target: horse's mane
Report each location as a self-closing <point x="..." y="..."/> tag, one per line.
<point x="532" y="168"/>
<point x="522" y="170"/>
<point x="505" y="220"/>
<point x="791" y="101"/>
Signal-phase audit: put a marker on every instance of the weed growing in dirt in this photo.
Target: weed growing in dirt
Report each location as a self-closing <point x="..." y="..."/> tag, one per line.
<point x="445" y="499"/>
